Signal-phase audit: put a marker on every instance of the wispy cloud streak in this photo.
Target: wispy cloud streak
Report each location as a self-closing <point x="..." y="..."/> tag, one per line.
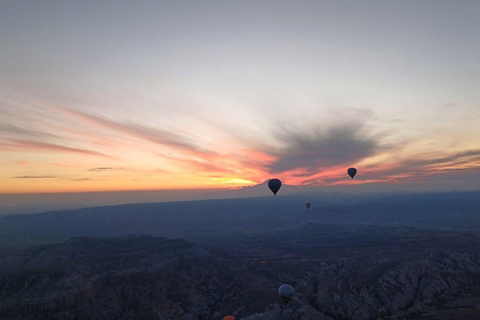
<point x="101" y="169"/>
<point x="35" y="177"/>
<point x="18" y="131"/>
<point x="154" y="135"/>
<point x="22" y="145"/>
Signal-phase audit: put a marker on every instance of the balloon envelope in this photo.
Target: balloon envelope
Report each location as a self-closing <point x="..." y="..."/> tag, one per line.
<point x="228" y="318"/>
<point x="308" y="205"/>
<point x="274" y="185"/>
<point x="286" y="292"/>
<point x="352" y="172"/>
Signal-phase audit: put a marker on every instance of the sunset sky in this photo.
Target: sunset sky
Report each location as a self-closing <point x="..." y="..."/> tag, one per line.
<point x="154" y="95"/>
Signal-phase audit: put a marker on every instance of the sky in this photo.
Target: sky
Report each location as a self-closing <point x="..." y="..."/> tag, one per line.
<point x="175" y="95"/>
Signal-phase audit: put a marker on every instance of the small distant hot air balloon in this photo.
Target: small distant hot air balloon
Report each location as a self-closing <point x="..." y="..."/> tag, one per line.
<point x="228" y="318"/>
<point x="352" y="172"/>
<point x="274" y="185"/>
<point x="308" y="205"/>
<point x="286" y="292"/>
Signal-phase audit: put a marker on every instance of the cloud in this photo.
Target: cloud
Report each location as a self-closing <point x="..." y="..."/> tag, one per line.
<point x="461" y="166"/>
<point x="23" y="145"/>
<point x="420" y="167"/>
<point x="81" y="179"/>
<point x="460" y="157"/>
<point x="341" y="144"/>
<point x="154" y="135"/>
<point x="100" y="169"/>
<point x="14" y="130"/>
<point x="448" y="105"/>
<point x="35" y="177"/>
<point x="461" y="160"/>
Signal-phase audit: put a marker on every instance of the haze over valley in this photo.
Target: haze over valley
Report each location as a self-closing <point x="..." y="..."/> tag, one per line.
<point x="417" y="256"/>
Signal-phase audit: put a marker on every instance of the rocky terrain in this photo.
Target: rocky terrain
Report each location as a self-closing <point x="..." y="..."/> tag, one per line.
<point x="338" y="272"/>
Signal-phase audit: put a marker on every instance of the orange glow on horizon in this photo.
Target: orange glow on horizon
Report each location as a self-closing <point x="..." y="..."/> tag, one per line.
<point x="121" y="179"/>
<point x="89" y="153"/>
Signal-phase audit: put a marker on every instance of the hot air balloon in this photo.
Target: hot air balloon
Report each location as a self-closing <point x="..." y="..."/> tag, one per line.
<point x="228" y="318"/>
<point x="352" y="172"/>
<point x="286" y="292"/>
<point x="308" y="205"/>
<point x="274" y="185"/>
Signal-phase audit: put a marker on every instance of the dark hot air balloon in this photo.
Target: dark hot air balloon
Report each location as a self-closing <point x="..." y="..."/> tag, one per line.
<point x="228" y="318"/>
<point x="352" y="172"/>
<point x="274" y="185"/>
<point x="286" y="292"/>
<point x="308" y="205"/>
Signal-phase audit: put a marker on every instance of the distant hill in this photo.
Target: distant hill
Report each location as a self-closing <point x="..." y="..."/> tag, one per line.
<point x="43" y="202"/>
<point x="454" y="211"/>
